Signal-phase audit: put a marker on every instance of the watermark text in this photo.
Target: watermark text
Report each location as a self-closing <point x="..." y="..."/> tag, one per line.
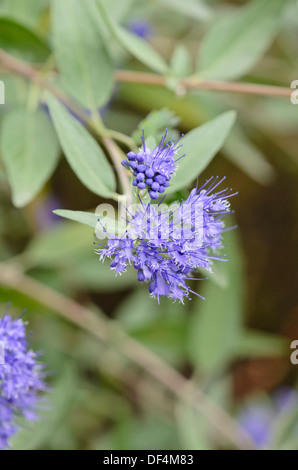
<point x="294" y="355"/>
<point x="294" y="95"/>
<point x="2" y="92"/>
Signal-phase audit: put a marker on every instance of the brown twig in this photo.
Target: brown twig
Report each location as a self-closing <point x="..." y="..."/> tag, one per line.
<point x="109" y="332"/>
<point x="194" y="83"/>
<point x="21" y="68"/>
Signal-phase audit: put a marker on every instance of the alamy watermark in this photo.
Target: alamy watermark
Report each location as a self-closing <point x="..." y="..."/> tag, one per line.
<point x="294" y="95"/>
<point x="154" y="222"/>
<point x="2" y="92"/>
<point x="294" y="355"/>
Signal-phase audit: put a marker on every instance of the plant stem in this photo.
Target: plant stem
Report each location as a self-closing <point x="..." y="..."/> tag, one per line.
<point x="124" y="139"/>
<point x="21" y="68"/>
<point x="109" y="332"/>
<point x="95" y="123"/>
<point x="195" y="83"/>
<point x="115" y="153"/>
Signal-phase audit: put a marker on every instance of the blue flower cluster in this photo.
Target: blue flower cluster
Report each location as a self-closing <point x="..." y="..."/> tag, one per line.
<point x="21" y="377"/>
<point x="141" y="28"/>
<point x="153" y="169"/>
<point x="259" y="418"/>
<point x="167" y="246"/>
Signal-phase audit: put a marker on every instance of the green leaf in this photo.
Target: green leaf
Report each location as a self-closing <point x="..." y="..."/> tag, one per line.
<point x="92" y="220"/>
<point x="16" y="92"/>
<point x="194" y="108"/>
<point x="195" y="9"/>
<point x="155" y="124"/>
<point x="156" y="431"/>
<point x="290" y="444"/>
<point x="132" y="43"/>
<point x="258" y="343"/>
<point x="30" y="152"/>
<point x="237" y="147"/>
<point x="22" y="42"/>
<point x="181" y="62"/>
<point x="216" y="325"/>
<point x="193" y="428"/>
<point x="249" y="158"/>
<point x="67" y="253"/>
<point x="82" y="151"/>
<point x="162" y="328"/>
<point x="200" y="145"/>
<point x="86" y="218"/>
<point x="85" y="68"/>
<point x="27" y="12"/>
<point x="137" y="312"/>
<point x="86" y="270"/>
<point x="58" y="246"/>
<point x="34" y="436"/>
<point x="119" y="11"/>
<point x="278" y="117"/>
<point x="235" y="44"/>
<point x="218" y="275"/>
<point x="284" y="428"/>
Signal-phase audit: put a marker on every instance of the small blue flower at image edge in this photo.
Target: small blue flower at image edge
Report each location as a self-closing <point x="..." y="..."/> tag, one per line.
<point x="21" y="378"/>
<point x="258" y="418"/>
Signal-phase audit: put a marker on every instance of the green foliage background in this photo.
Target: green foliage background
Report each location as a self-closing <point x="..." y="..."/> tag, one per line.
<point x="234" y="346"/>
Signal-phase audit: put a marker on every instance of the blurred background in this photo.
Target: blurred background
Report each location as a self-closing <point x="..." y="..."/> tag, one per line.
<point x="236" y="344"/>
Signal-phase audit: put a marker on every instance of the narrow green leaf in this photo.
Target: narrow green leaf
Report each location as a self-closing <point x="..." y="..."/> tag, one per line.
<point x="235" y="44"/>
<point x="192" y="428"/>
<point x="16" y="92"/>
<point x="200" y="146"/>
<point x="132" y="43"/>
<point x="67" y="251"/>
<point x="27" y="12"/>
<point x="34" y="436"/>
<point x="90" y="219"/>
<point x="257" y="343"/>
<point x="87" y="271"/>
<point x="290" y="444"/>
<point x="218" y="275"/>
<point x="137" y="312"/>
<point x="119" y="11"/>
<point x="162" y="328"/>
<point x="22" y="42"/>
<point x="195" y="9"/>
<point x="82" y="151"/>
<point x="154" y="125"/>
<point x="85" y="68"/>
<point x="86" y="218"/>
<point x="216" y="325"/>
<point x="30" y="151"/>
<point x="58" y="246"/>
<point x="284" y="428"/>
<point x="248" y="157"/>
<point x="181" y="62"/>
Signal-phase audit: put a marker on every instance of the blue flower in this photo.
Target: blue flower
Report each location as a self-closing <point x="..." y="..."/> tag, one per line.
<point x="258" y="418"/>
<point x="141" y="28"/>
<point x="21" y="378"/>
<point x="169" y="245"/>
<point x="153" y="169"/>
